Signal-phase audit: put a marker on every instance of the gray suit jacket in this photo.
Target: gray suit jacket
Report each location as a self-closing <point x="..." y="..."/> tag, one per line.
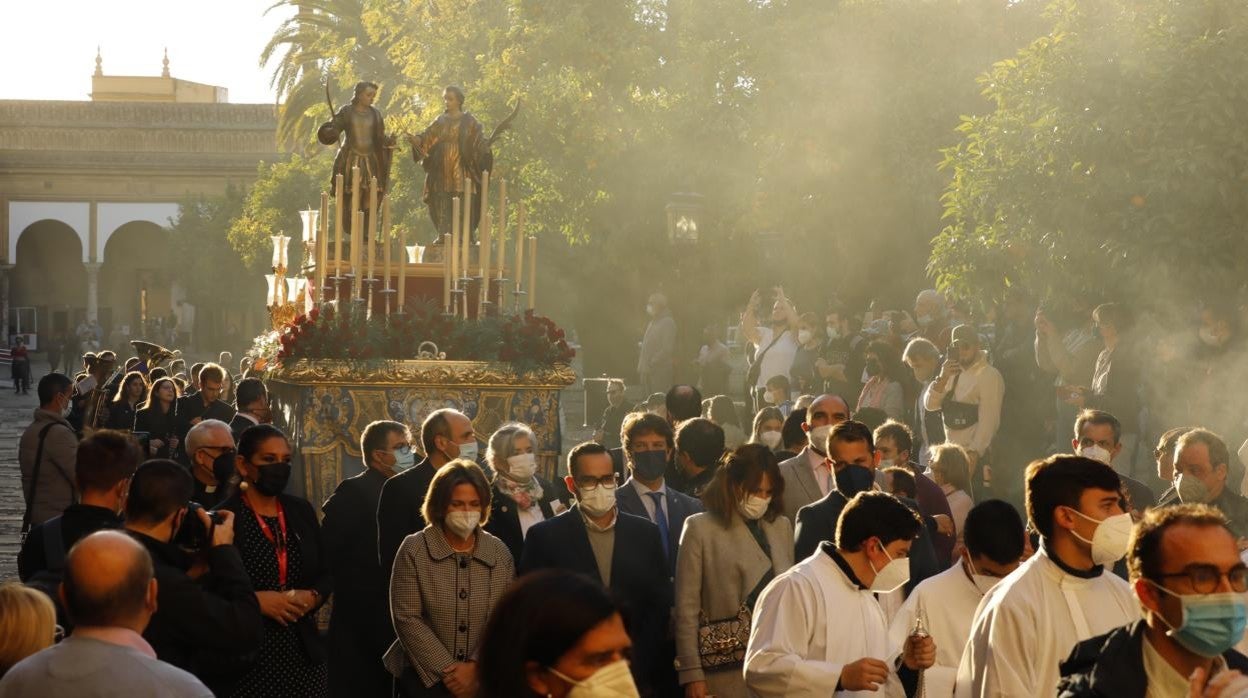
<point x="800" y="486"/>
<point x="680" y="506"/>
<point x="716" y="570"/>
<point x="81" y="666"/>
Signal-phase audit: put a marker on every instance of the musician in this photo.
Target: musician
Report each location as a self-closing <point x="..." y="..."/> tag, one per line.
<point x="205" y="404"/>
<point x="123" y="407"/>
<point x="91" y="392"/>
<point x="156" y="418"/>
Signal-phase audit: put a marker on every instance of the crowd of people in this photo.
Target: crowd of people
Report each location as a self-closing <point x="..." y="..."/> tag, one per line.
<point x="941" y="509"/>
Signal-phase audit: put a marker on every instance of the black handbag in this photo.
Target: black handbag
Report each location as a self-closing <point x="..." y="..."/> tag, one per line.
<point x="958" y="415"/>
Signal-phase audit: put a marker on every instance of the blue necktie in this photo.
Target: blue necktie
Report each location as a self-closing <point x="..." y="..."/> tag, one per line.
<point x="661" y="519"/>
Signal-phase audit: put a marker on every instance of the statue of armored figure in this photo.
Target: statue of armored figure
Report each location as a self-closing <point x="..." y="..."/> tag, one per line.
<point x="366" y="146"/>
<point x="453" y="150"/>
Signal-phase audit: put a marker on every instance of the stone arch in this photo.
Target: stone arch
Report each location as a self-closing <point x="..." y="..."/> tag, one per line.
<point x="23" y="215"/>
<point x="136" y="278"/>
<point x="111" y="217"/>
<point x="50" y="275"/>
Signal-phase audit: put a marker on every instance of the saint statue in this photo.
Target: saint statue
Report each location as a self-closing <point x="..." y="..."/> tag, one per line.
<point x="453" y="150"/>
<point x="366" y="146"/>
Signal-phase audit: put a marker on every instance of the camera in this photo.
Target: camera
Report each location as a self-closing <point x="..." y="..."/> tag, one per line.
<point x="193" y="535"/>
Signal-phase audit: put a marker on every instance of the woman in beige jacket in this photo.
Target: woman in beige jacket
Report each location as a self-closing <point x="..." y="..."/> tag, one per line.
<point x="727" y="555"/>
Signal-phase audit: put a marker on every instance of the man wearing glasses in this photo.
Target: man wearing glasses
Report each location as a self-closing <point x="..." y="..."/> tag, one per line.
<point x="622" y="551"/>
<point x="1190" y="582"/>
<point x="210" y="448"/>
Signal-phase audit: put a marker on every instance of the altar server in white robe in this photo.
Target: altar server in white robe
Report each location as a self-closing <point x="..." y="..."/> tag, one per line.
<point x="1064" y="594"/>
<point x="993" y="535"/>
<point x="818" y="630"/>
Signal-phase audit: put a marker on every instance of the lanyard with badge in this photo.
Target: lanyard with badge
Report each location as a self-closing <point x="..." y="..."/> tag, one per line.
<point x="279" y="544"/>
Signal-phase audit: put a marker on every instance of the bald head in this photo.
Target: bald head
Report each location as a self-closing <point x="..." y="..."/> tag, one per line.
<point x="827" y="409"/>
<point x="210" y="432"/>
<point x="109" y="582"/>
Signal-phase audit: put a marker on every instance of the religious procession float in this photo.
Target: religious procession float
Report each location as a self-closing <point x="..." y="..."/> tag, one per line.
<point x="370" y="327"/>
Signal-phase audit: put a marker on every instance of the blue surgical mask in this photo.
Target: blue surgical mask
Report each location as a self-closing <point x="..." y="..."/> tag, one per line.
<point x="1212" y="623"/>
<point x="404" y="458"/>
<point x="468" y="451"/>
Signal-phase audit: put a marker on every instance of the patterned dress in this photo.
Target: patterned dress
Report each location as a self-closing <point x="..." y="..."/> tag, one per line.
<point x="282" y="667"/>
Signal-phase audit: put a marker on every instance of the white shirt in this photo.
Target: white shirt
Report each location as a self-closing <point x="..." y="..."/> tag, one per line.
<point x="647" y="501"/>
<point x="528" y="517"/>
<point x="808" y="624"/>
<point x="778" y="360"/>
<point x="981" y="384"/>
<point x="823" y="476"/>
<point x="1028" y="624"/>
<point x="948" y="601"/>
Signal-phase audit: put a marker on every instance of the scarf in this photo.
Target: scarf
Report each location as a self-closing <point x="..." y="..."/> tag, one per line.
<point x="524" y="494"/>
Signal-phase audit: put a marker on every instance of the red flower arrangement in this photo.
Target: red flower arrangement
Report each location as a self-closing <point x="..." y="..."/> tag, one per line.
<point x="527" y="342"/>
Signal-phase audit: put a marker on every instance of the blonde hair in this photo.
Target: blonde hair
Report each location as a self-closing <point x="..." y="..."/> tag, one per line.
<point x="27" y="623"/>
<point x="954" y="466"/>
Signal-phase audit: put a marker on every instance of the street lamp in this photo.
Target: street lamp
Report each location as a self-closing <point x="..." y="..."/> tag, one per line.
<point x="684" y="215"/>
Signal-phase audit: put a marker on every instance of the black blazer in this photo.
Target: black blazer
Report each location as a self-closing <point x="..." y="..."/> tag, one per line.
<point x="398" y="511"/>
<point x="680" y="506"/>
<point x="639" y="578"/>
<point x="505" y="517"/>
<point x="359" y="622"/>
<point x="817" y="522"/>
<point x="239" y="424"/>
<point x="314" y="573"/>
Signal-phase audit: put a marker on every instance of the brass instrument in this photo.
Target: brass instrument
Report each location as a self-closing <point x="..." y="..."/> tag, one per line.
<point x="150" y="353"/>
<point x="96" y="412"/>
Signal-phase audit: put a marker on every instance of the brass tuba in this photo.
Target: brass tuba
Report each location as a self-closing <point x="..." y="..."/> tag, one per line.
<point x="150" y="353"/>
<point x="96" y="414"/>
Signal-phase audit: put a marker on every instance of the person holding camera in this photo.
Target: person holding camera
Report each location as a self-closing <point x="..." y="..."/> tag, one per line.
<point x="207" y="618"/>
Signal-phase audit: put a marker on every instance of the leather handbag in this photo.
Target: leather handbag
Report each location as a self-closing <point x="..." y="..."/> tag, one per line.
<point x="721" y="643"/>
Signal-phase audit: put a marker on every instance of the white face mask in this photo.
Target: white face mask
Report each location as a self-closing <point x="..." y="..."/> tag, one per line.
<point x="885" y="463"/>
<point x="834" y="332"/>
<point x="598" y="501"/>
<point x="67" y="409"/>
<point x="769" y="398"/>
<point x="1096" y="453"/>
<point x="522" y="466"/>
<point x="803" y="336"/>
<point x="983" y="582"/>
<point x="611" y="681"/>
<point x="468" y="451"/>
<point x="770" y="438"/>
<point x="753" y="508"/>
<point x="892" y="576"/>
<point x="1111" y="539"/>
<point x="650" y="310"/>
<point x="462" y="523"/>
<point x="819" y="437"/>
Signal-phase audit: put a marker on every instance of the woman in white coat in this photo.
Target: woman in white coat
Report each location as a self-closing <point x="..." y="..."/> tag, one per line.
<point x="727" y="555"/>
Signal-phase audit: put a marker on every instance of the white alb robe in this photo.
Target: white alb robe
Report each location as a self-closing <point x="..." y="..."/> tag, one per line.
<point x="1028" y="624"/>
<point x="809" y="623"/>
<point x="949" y="601"/>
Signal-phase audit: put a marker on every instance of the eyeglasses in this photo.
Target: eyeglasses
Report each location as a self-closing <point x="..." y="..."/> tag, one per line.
<point x="588" y="482"/>
<point x="1205" y="578"/>
<point x="223" y="449"/>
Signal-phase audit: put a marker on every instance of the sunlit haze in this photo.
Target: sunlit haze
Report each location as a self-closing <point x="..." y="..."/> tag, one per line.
<point x="49" y="52"/>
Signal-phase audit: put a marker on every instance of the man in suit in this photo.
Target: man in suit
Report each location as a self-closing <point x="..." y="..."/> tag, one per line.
<point x="194" y="408"/>
<point x="851" y="449"/>
<point x="807" y="476"/>
<point x="445" y="434"/>
<point x="253" y="406"/>
<point x="622" y="551"/>
<point x="699" y="446"/>
<point x="359" y="623"/>
<point x="648" y="447"/>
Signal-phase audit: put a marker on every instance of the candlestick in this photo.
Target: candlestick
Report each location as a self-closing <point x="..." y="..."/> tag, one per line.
<point x="466" y="247"/>
<point x="532" y="272"/>
<point x="446" y="274"/>
<point x="502" y="229"/>
<point x="338" y="209"/>
<point x="357" y="233"/>
<point x="520" y="247"/>
<point x="385" y="242"/>
<point x="322" y="257"/>
<point x="484" y="258"/>
<point x="453" y="253"/>
<point x="371" y="245"/>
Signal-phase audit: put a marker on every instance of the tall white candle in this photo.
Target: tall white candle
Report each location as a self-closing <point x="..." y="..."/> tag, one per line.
<point x="486" y="230"/>
<point x="338" y="206"/>
<point x="502" y="229"/>
<point x="532" y="272"/>
<point x="322" y="257"/>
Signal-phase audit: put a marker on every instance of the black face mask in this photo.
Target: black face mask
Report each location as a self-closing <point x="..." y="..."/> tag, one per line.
<point x="853" y="479"/>
<point x="272" y="478"/>
<point x="223" y="468"/>
<point x="649" y="465"/>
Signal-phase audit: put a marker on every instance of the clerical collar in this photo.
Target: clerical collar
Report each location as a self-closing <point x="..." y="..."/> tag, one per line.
<point x="1082" y="574"/>
<point x="831" y="552"/>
